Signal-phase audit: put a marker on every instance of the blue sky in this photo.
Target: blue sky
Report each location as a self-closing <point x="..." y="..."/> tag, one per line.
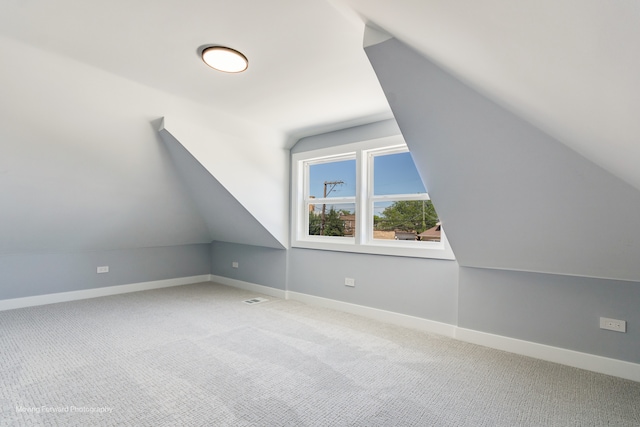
<point x="344" y="170"/>
<point x="394" y="173"/>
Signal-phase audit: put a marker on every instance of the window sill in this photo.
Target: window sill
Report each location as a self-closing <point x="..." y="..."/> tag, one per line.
<point x="347" y="245"/>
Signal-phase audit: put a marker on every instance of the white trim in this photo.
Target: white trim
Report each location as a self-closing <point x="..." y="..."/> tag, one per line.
<point x="374" y="35"/>
<point x="10" y="304"/>
<point x="375" y="313"/>
<point x="375" y="248"/>
<point x="247" y="286"/>
<point x="563" y="356"/>
<point x="364" y="152"/>
<point x="576" y="359"/>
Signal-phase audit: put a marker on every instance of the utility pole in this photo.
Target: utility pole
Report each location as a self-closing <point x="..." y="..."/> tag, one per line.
<point x="332" y="185"/>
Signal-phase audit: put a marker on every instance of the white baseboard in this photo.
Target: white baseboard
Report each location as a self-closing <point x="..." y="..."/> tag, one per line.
<point x="361" y="310"/>
<point x="10" y="304"/>
<point x="576" y="359"/>
<point x="375" y="313"/>
<point x="247" y="286"/>
<point x="604" y="365"/>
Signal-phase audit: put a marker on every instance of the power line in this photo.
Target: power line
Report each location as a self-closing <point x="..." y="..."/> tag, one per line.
<point x="324" y="207"/>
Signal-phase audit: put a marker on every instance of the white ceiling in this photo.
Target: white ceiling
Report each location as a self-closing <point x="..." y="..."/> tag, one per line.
<point x="307" y="67"/>
<point x="569" y="66"/>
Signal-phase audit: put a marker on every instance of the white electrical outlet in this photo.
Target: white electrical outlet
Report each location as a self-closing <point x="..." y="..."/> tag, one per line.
<point x="234" y="264"/>
<point x="348" y="281"/>
<point x="103" y="269"/>
<point x="613" y="324"/>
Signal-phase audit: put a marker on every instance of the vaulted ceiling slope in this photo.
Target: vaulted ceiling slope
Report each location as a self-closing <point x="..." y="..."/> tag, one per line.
<point x="247" y="205"/>
<point x="306" y="64"/>
<point x="82" y="167"/>
<point x="509" y="195"/>
<point x="570" y="67"/>
<point x="82" y="164"/>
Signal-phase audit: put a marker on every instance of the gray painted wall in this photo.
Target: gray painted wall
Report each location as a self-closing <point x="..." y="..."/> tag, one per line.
<point x="513" y="198"/>
<point x="560" y="311"/>
<point x="23" y="275"/>
<point x="557" y="310"/>
<point x="417" y="287"/>
<point x="260" y="265"/>
<point x="81" y="167"/>
<point x="509" y="195"/>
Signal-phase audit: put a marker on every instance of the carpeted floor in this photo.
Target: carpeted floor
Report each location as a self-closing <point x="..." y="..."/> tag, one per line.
<point x="197" y="355"/>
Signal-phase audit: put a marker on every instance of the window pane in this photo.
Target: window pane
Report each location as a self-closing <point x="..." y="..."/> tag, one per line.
<point x="337" y="219"/>
<point x="406" y="220"/>
<point x="333" y="179"/>
<point x="396" y="174"/>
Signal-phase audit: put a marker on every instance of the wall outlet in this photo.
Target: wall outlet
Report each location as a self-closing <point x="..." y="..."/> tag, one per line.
<point x="103" y="269"/>
<point x="348" y="281"/>
<point x="234" y="264"/>
<point x="613" y="324"/>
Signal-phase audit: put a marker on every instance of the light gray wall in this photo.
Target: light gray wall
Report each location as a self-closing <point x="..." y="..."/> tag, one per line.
<point x="23" y="275"/>
<point x="557" y="310"/>
<point x="418" y="287"/>
<point x="509" y="195"/>
<point x="537" y="197"/>
<point x="260" y="265"/>
<point x="560" y="311"/>
<point x="81" y="168"/>
<point x="424" y="288"/>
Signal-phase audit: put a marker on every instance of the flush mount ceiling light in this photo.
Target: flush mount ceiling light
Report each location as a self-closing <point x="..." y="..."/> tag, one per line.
<point x="225" y="59"/>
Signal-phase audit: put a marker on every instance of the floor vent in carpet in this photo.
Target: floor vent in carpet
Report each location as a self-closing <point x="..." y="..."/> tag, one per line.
<point x="256" y="300"/>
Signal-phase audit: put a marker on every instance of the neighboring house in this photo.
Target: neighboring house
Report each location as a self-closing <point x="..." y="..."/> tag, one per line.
<point x="383" y="234"/>
<point x="349" y="224"/>
<point x="405" y="235"/>
<point x="432" y="234"/>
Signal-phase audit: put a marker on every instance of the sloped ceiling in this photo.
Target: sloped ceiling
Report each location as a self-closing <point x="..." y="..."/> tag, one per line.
<point x="82" y="81"/>
<point x="81" y="167"/>
<point x="306" y="59"/>
<point x="509" y="195"/>
<point x="569" y="67"/>
<point x="227" y="219"/>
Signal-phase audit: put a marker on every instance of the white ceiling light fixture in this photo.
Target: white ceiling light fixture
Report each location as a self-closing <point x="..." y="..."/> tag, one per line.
<point x="225" y="59"/>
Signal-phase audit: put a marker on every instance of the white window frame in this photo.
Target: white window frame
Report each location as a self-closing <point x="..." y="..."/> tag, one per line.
<point x="363" y="241"/>
<point x="307" y="200"/>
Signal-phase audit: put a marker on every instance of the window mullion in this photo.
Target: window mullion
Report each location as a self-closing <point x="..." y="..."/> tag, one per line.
<point x="363" y="157"/>
<point x="362" y="210"/>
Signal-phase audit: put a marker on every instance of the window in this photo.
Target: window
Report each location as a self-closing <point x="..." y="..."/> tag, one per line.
<point x="331" y="202"/>
<point x="364" y="197"/>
